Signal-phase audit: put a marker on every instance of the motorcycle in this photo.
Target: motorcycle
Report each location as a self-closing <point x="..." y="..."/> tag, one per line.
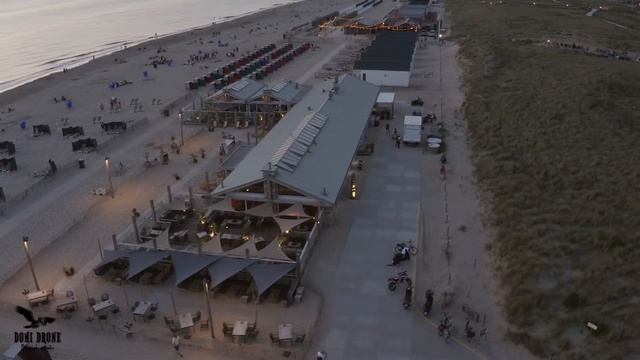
<point x="445" y="328"/>
<point x="392" y="282"/>
<point x="400" y="246"/>
<point x="426" y="310"/>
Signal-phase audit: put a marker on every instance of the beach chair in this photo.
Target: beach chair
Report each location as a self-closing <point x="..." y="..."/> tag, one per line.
<point x="237" y="124"/>
<point x="215" y="123"/>
<point x="225" y="124"/>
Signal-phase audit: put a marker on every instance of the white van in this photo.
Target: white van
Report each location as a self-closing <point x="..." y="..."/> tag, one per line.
<point x="412" y="131"/>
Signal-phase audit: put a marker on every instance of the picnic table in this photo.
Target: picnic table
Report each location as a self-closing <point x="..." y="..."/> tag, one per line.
<point x="142" y="309"/>
<point x="240" y="330"/>
<point x="37" y="297"/>
<point x="103" y="305"/>
<point x="66" y="302"/>
<point x="285" y="332"/>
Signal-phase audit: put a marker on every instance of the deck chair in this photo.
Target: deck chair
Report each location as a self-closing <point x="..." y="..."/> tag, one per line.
<point x="237" y="124"/>
<point x="226" y="123"/>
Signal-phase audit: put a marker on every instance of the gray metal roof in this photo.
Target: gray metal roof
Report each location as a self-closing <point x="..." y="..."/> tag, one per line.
<point x="236" y="157"/>
<point x="288" y="91"/>
<point x="311" y="148"/>
<point x="244" y="89"/>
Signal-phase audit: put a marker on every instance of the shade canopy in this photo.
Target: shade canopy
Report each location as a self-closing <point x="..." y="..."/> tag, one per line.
<point x="223" y="205"/>
<point x="273" y="251"/>
<point x="213" y="246"/>
<point x="163" y="240"/>
<point x="225" y="268"/>
<point x="265" y="275"/>
<point x="241" y="250"/>
<point x="187" y="264"/>
<point x="294" y="210"/>
<point x="110" y="256"/>
<point x="140" y="260"/>
<point x="262" y="210"/>
<point x="287" y="224"/>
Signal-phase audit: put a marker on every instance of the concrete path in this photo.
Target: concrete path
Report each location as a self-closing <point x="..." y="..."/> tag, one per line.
<point x="361" y="319"/>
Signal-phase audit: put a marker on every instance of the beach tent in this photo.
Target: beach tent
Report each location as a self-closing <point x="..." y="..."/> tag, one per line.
<point x="41" y="130"/>
<point x="266" y="274"/>
<point x="7" y="147"/>
<point x="140" y="260"/>
<point x="187" y="264"/>
<point x="73" y="131"/>
<point x="226" y="267"/>
<point x="88" y="144"/>
<point x="8" y="164"/>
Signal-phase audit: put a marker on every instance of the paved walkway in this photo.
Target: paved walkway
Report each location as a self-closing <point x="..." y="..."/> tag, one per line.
<point x="360" y="318"/>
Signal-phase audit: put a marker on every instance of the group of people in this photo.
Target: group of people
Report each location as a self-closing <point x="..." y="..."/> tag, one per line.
<point x="608" y="53"/>
<point x="395" y="136"/>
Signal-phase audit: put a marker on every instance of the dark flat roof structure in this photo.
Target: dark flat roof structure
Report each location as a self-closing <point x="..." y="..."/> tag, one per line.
<point x="391" y="51"/>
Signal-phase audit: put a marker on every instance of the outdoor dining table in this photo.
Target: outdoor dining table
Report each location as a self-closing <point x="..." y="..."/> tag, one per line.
<point x="66" y="302"/>
<point x="38" y="296"/>
<point x="103" y="305"/>
<point x="142" y="309"/>
<point x="186" y="323"/>
<point x="285" y="332"/>
<point x="240" y="330"/>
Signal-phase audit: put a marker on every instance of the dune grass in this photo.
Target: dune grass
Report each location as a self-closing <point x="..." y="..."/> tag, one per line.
<point x="556" y="141"/>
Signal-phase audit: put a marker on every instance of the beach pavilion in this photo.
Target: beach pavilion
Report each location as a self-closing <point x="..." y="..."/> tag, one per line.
<point x="388" y="61"/>
<point x="244" y="102"/>
<point x="260" y="230"/>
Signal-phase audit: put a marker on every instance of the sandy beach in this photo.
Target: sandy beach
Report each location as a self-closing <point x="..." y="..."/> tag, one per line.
<point x="57" y="203"/>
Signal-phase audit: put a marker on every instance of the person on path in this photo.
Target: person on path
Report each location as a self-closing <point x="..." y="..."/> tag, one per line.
<point x="395" y="133"/>
<point x="322" y="355"/>
<point x="398" y="142"/>
<point x="386" y="127"/>
<point x="175" y="341"/>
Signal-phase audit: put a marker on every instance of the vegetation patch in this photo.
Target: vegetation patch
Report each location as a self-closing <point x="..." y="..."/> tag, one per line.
<point x="556" y="142"/>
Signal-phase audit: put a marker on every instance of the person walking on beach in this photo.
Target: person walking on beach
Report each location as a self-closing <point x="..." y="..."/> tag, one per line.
<point x="175" y="341"/>
<point x="398" y="141"/>
<point x="386" y="127"/>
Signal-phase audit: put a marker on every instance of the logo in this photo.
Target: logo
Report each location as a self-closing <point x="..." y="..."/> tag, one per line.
<point x="42" y="339"/>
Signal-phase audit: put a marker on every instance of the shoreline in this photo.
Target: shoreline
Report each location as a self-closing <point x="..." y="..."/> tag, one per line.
<point x="106" y="52"/>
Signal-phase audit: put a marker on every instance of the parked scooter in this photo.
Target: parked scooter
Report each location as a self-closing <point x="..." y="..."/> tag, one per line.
<point x="407" y="297"/>
<point x="445" y="328"/>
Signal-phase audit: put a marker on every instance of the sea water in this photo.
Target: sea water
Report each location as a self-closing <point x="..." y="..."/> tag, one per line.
<point x="38" y="37"/>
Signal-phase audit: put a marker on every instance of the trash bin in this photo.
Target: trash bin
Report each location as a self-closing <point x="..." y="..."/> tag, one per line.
<point x="81" y="163"/>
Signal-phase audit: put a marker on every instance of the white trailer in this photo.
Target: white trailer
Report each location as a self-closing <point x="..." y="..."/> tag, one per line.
<point x="412" y="131"/>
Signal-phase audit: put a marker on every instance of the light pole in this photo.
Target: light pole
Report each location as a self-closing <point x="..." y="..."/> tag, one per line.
<point x="107" y="163"/>
<point x="25" y="243"/>
<point x="181" y="130"/>
<point x="206" y="295"/>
